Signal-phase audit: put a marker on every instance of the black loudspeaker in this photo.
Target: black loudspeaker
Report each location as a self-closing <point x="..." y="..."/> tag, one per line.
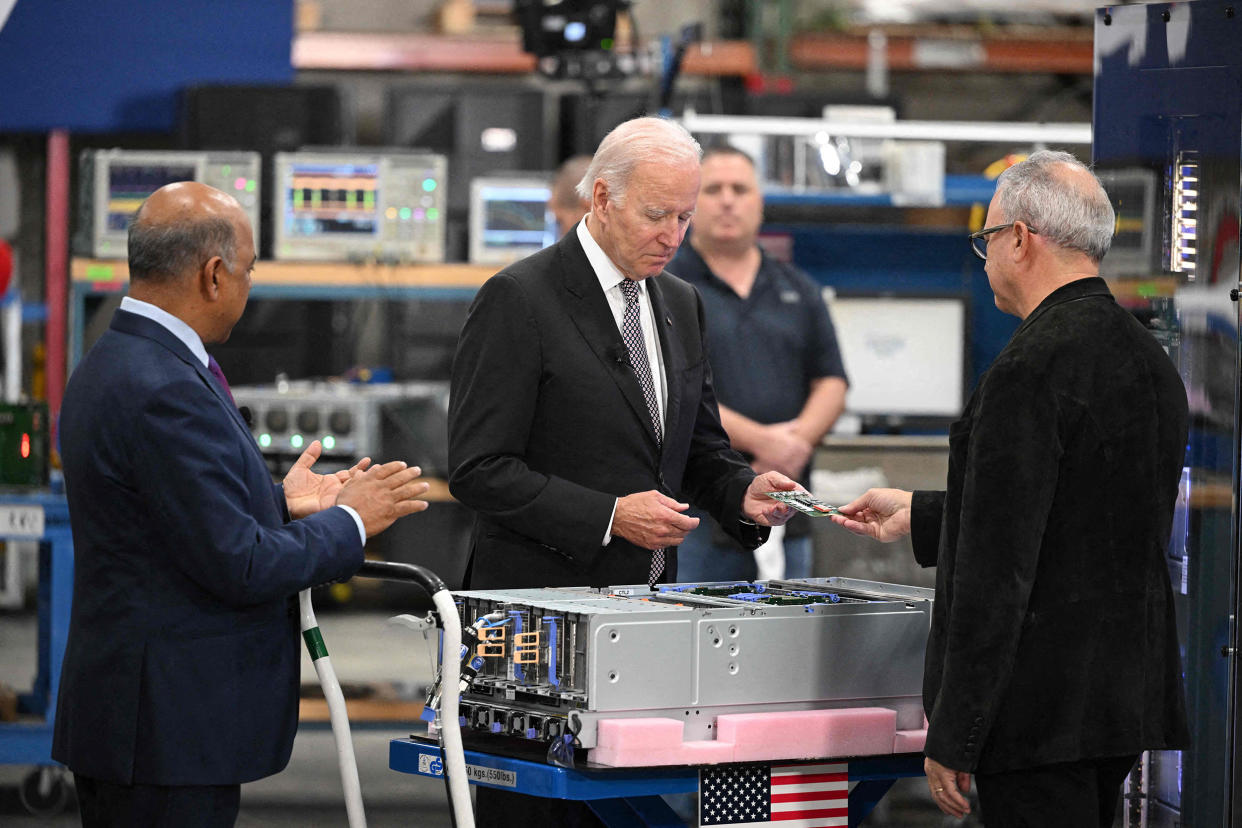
<point x="263" y="119"/>
<point x="482" y="128"/>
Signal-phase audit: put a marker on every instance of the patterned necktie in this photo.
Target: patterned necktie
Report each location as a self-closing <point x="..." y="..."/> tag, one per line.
<point x="632" y="333"/>
<point x="214" y="368"/>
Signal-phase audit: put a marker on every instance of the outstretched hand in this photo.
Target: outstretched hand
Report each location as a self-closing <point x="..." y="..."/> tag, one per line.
<point x="307" y="492"/>
<point x="883" y="514"/>
<point x="763" y="510"/>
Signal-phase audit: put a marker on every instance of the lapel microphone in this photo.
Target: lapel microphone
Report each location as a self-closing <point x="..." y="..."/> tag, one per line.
<point x="247" y="415"/>
<point x="619" y="355"/>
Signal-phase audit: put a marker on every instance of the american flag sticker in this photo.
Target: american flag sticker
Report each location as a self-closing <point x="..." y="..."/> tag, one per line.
<point x="788" y="796"/>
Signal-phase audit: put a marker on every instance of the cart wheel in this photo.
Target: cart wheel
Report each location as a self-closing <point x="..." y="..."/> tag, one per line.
<point x="44" y="791"/>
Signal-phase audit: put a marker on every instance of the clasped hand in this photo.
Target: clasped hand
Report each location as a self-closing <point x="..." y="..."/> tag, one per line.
<point x="652" y="520"/>
<point x="307" y="492"/>
<point x="379" y="494"/>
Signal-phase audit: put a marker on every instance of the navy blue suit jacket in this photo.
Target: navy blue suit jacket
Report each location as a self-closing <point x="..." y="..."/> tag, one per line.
<point x="182" y="662"/>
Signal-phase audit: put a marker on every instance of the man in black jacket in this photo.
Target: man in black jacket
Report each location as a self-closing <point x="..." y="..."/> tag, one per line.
<point x="582" y="408"/>
<point x="1052" y="660"/>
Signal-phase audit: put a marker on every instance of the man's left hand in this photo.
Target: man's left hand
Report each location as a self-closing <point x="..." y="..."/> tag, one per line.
<point x="948" y="788"/>
<point x="763" y="510"/>
<point x="307" y="492"/>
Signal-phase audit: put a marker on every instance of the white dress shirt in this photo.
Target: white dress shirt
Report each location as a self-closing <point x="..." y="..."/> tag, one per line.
<point x="610" y="278"/>
<point x="190" y="338"/>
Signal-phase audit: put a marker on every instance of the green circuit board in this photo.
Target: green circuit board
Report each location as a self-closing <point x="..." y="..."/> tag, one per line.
<point x="804" y="503"/>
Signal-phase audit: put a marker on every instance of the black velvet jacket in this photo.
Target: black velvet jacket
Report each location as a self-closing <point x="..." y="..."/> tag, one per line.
<point x="1053" y="636"/>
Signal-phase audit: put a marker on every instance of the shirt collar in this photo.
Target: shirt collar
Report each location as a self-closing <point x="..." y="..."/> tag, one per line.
<point x="609" y="274"/>
<point x="174" y="325"/>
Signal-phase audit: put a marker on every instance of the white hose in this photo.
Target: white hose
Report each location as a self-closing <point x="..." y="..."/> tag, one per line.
<point x="450" y="694"/>
<point x="336" y="711"/>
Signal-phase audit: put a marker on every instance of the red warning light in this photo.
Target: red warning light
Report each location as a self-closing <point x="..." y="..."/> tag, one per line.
<point x="25" y="445"/>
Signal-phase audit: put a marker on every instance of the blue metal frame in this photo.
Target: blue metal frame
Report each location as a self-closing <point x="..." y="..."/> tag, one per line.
<point x="632" y="796"/>
<point x="30" y="742"/>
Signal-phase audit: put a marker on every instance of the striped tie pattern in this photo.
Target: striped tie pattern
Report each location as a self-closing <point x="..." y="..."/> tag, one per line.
<point x="632" y="333"/>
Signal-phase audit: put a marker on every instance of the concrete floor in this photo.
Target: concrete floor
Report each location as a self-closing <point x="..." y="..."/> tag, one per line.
<point x="364" y="647"/>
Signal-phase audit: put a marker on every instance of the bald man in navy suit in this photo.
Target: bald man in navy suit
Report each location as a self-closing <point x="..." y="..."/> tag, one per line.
<point x="180" y="678"/>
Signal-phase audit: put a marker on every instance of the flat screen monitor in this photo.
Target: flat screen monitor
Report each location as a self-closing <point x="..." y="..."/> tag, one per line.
<point x="509" y="219"/>
<point x="359" y="206"/>
<point x="905" y="355"/>
<point x="115" y="182"/>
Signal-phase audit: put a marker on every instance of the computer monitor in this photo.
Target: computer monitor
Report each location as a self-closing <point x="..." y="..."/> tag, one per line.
<point x="509" y="219"/>
<point x="905" y="357"/>
<point x="359" y="206"/>
<point x="115" y="182"/>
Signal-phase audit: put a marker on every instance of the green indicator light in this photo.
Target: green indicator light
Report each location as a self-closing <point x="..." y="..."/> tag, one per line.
<point x="265" y="440"/>
<point x="250" y="185"/>
<point x="432" y="214"/>
<point x="429" y="185"/>
<point x="296" y="441"/>
<point x="406" y="213"/>
<point x="606" y="44"/>
<point x="329" y="442"/>
<point x="100" y="273"/>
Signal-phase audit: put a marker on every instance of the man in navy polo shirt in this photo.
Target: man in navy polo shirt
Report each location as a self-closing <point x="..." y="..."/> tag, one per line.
<point x="774" y="356"/>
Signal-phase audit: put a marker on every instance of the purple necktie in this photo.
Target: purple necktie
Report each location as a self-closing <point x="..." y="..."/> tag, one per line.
<point x="632" y="333"/>
<point x="214" y="368"/>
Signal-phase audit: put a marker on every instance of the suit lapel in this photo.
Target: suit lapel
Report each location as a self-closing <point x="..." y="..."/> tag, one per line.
<point x="138" y="325"/>
<point x="588" y="308"/>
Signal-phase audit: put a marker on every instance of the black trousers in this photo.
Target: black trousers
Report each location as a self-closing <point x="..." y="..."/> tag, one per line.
<point x="1081" y="794"/>
<point x="109" y="805"/>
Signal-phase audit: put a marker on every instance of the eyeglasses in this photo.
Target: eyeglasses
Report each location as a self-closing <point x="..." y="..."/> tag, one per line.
<point x="979" y="241"/>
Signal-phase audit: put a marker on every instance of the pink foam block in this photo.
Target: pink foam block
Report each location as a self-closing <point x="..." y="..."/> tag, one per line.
<point x="806" y="734"/>
<point x="639" y="734"/>
<point x="688" y="753"/>
<point x="910" y="741"/>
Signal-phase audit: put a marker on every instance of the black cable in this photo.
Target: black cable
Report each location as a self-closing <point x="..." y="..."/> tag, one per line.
<point x="408" y="572"/>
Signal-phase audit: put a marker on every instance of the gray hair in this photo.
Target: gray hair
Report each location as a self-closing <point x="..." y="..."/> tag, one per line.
<point x="1071" y="216"/>
<point x="565" y="183"/>
<point x="166" y="251"/>
<point x="635" y="141"/>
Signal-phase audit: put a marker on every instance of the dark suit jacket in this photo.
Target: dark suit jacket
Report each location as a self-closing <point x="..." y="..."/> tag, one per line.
<point x="182" y="662"/>
<point x="548" y="426"/>
<point x="1053" y="636"/>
